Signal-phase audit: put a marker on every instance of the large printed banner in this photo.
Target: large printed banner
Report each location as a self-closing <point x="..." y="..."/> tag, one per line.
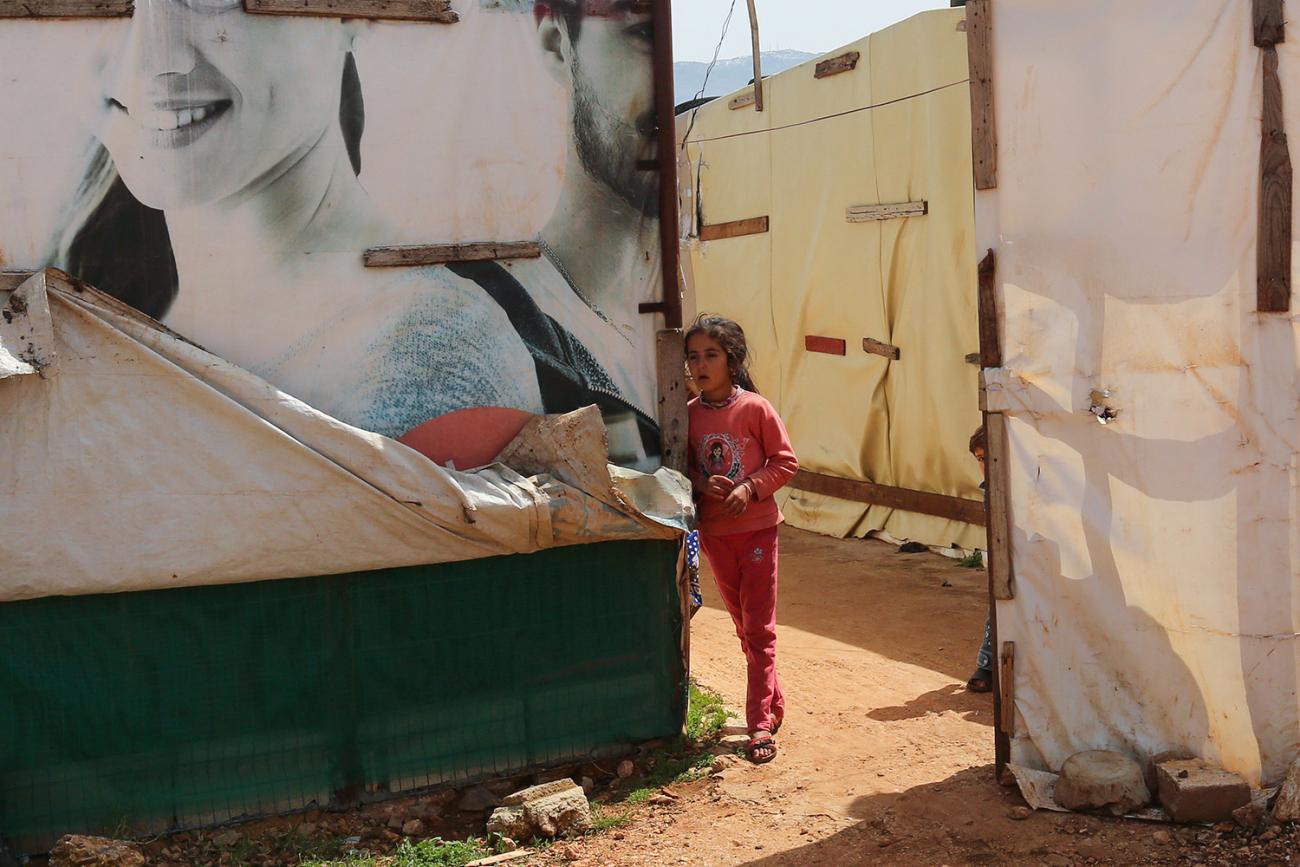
<point x="224" y="172"/>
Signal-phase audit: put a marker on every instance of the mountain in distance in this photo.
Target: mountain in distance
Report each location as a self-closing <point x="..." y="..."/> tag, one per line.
<point x="729" y="75"/>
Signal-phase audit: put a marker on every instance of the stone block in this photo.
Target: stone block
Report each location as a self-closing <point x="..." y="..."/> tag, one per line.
<point x="1194" y="790"/>
<point x="510" y="822"/>
<point x="564" y="812"/>
<point x="541" y="790"/>
<point x="77" y="851"/>
<point x="1287" y="806"/>
<point x="1097" y="779"/>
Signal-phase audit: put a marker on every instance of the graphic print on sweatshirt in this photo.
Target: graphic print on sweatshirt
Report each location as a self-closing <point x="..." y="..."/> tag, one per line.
<point x="720" y="455"/>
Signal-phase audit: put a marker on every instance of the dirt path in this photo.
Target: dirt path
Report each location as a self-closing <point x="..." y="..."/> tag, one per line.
<point x="885" y="758"/>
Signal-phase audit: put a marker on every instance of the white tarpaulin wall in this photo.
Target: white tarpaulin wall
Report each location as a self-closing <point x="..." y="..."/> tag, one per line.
<point x="134" y="460"/>
<point x="1155" y="556"/>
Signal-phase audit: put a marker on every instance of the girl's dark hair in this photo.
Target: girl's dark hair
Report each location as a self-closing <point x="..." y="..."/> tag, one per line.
<point x="731" y="337"/>
<point x="978" y="440"/>
<point x="121" y="246"/>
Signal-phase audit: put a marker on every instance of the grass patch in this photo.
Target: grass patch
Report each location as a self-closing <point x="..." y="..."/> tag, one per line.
<point x="687" y="757"/>
<point x="436" y="852"/>
<point x="974" y="560"/>
<point x="606" y="820"/>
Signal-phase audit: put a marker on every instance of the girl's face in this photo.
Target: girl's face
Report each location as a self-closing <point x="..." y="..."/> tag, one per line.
<point x="204" y="100"/>
<point x="707" y="362"/>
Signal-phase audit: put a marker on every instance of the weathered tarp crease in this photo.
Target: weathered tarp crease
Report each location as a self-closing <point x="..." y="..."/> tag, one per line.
<point x="149" y="462"/>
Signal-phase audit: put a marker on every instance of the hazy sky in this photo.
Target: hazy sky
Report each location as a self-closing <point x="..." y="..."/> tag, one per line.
<point x="805" y="25"/>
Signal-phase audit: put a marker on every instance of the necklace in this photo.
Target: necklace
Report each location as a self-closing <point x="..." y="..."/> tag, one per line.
<point x="554" y="259"/>
<point x="726" y="401"/>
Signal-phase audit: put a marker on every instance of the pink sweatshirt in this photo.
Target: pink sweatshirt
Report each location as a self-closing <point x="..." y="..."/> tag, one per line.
<point x="744" y="439"/>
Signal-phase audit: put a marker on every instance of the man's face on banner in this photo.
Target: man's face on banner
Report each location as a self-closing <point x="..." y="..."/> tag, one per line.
<point x="613" y="99"/>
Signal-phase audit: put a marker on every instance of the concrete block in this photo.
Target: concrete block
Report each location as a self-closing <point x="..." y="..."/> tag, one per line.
<point x="1194" y="790"/>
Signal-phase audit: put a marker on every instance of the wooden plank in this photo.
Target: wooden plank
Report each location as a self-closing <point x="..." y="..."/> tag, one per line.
<point x="879" y="347"/>
<point x="66" y="8"/>
<point x="979" y="51"/>
<point x="845" y="62"/>
<point x="973" y="358"/>
<point x="439" y="254"/>
<point x="825" y="345"/>
<point x="758" y="54"/>
<point x="996" y="460"/>
<point x="734" y="229"/>
<point x="1270" y="22"/>
<point x="11" y="280"/>
<point x="670" y="349"/>
<point x="744" y="100"/>
<point x="987" y="306"/>
<point x="1007" y="688"/>
<point x="1001" y="742"/>
<point x="670" y="238"/>
<point x="505" y="857"/>
<point x="921" y="502"/>
<point x="1273" y="251"/>
<point x="427" y="11"/>
<point x="897" y="211"/>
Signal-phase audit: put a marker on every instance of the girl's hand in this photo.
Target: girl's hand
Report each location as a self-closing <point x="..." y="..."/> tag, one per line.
<point x="718" y="487"/>
<point x="738" y="500"/>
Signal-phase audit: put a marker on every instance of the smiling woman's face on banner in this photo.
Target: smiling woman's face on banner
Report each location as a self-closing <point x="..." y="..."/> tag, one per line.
<point x="202" y="100"/>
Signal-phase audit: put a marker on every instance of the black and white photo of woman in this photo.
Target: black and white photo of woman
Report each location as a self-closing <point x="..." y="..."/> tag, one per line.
<point x="222" y="197"/>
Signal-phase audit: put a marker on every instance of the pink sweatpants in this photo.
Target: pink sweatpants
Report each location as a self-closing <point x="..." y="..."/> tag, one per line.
<point x="744" y="566"/>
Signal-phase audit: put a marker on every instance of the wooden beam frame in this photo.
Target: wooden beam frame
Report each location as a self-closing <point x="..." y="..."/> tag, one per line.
<point x="426" y="11"/>
<point x="898" y="211"/>
<point x="670" y="352"/>
<point x="1273" y="245"/>
<point x="987" y="307"/>
<point x="921" y="502"/>
<point x="846" y="62"/>
<point x="979" y="52"/>
<point x="734" y="229"/>
<point x="441" y="254"/>
<point x="66" y="8"/>
<point x="11" y="280"/>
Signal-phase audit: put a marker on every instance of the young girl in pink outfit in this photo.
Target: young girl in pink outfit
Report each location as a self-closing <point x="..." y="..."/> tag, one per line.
<point x="740" y="455"/>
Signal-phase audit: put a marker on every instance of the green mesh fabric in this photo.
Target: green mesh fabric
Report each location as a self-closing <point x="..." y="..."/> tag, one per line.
<point x="141" y="711"/>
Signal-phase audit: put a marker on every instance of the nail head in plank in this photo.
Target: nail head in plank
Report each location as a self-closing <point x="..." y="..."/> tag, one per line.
<point x="734" y="229"/>
<point x="1270" y="22"/>
<point x="428" y="11"/>
<point x="996" y="459"/>
<point x="979" y="51"/>
<point x="1007" y="687"/>
<point x="1273" y="250"/>
<point x="670" y="349"/>
<point x="742" y="101"/>
<point x="66" y="8"/>
<point x="920" y="502"/>
<point x="869" y="213"/>
<point x="878" y="347"/>
<point x="825" y="345"/>
<point x="845" y="62"/>
<point x="440" y="254"/>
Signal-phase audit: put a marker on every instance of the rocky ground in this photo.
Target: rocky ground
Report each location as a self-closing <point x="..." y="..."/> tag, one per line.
<point x="884" y="757"/>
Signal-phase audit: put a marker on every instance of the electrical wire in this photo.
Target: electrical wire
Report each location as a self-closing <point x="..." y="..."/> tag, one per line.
<point x="709" y="69"/>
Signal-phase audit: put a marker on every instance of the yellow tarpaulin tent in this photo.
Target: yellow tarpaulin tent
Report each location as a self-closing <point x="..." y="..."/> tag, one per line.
<point x="893" y="129"/>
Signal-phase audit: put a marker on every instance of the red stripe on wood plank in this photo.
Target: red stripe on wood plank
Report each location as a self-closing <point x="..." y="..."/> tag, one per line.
<point x="828" y="345"/>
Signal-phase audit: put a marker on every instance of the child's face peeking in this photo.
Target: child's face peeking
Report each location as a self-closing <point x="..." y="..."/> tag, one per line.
<point x="707" y="362"/>
<point x="979" y="456"/>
